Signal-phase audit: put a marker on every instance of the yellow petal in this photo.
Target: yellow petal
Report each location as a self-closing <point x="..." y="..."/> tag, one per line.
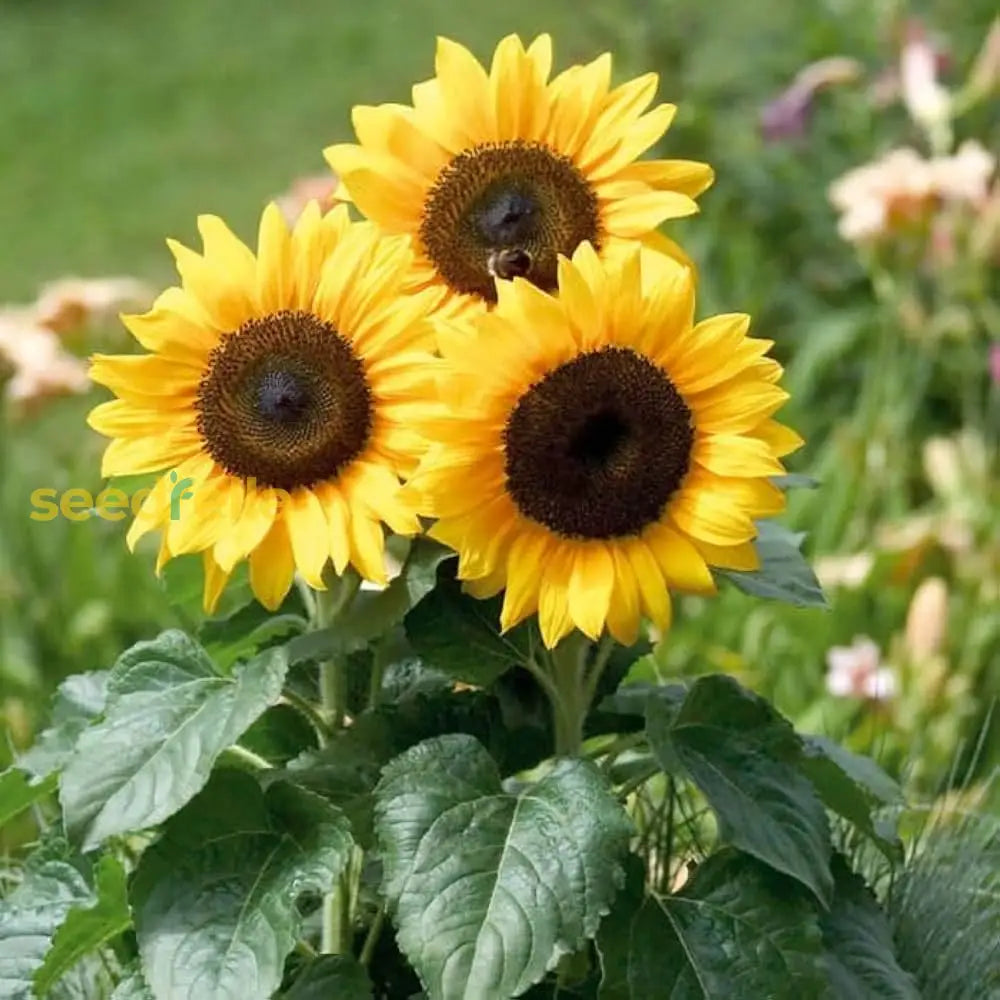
<point x="739" y="557"/>
<point x="649" y="580"/>
<point x="679" y="560"/>
<point x="136" y="456"/>
<point x="249" y="528"/>
<point x="272" y="566"/>
<point x="466" y="90"/>
<point x="637" y="215"/>
<point x="308" y="532"/>
<point x="624" y="611"/>
<point x="589" y="587"/>
<point x="526" y="564"/>
<point x="780" y="439"/>
<point x="554" y="620"/>
<point x="216" y="579"/>
<point x="734" y="455"/>
<point x="709" y="518"/>
<point x="367" y="547"/>
<point x="274" y="279"/>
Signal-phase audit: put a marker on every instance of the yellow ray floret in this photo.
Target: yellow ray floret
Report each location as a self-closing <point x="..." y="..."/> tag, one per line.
<point x="597" y="449"/>
<point x="495" y="173"/>
<point x="278" y="400"/>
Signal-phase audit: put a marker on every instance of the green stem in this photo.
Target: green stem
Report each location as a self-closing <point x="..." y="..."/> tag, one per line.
<point x="338" y="908"/>
<point x="368" y="949"/>
<point x="308" y="710"/>
<point x="569" y="665"/>
<point x="331" y="604"/>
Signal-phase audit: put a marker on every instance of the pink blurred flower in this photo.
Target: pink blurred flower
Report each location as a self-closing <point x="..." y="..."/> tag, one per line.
<point x="856" y="671"/>
<point x="926" y="100"/>
<point x="995" y="362"/>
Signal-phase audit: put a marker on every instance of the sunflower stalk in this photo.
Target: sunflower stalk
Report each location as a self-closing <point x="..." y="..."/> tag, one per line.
<point x="331" y="605"/>
<point x="573" y="688"/>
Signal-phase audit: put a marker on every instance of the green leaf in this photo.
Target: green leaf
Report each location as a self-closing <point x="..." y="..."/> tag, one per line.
<point x="784" y="575"/>
<point x="133" y="987"/>
<point x="460" y="635"/>
<point x="736" y="931"/>
<point x="30" y="917"/>
<point x="16" y="794"/>
<point x="491" y="888"/>
<point x="78" y="701"/>
<point x="169" y="716"/>
<point x="280" y="735"/>
<point x="87" y="927"/>
<point x="331" y="977"/>
<point x="246" y="632"/>
<point x="215" y="898"/>
<point x="860" y="953"/>
<point x="862" y="770"/>
<point x="374" y="613"/>
<point x="745" y="758"/>
<point x="851" y="786"/>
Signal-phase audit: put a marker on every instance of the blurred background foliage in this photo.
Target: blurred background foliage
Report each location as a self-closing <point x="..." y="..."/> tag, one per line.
<point x="121" y="121"/>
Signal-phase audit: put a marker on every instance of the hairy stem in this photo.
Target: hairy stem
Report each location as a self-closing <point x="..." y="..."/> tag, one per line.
<point x="331" y="604"/>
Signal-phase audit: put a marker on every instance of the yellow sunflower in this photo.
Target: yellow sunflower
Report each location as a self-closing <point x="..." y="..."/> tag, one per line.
<point x="496" y="174"/>
<point x="595" y="448"/>
<point x="278" y="400"/>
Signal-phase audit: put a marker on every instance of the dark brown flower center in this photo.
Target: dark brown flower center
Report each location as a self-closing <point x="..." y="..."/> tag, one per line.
<point x="506" y="210"/>
<point x="284" y="401"/>
<point x="597" y="447"/>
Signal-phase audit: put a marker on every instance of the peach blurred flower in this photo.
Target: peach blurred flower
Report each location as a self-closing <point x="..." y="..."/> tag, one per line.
<point x="903" y="188"/>
<point x="856" y="671"/>
<point x="37" y="364"/>
<point x="316" y="187"/>
<point x="71" y="303"/>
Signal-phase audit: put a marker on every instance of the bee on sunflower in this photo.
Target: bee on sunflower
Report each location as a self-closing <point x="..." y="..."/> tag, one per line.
<point x="495" y="174"/>
<point x="597" y="448"/>
<point x="281" y="391"/>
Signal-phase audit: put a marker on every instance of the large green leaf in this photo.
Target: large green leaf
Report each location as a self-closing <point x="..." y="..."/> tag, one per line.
<point x="87" y="926"/>
<point x="17" y="794"/>
<point x="169" y="716"/>
<point x="331" y="977"/>
<point x="491" y="888"/>
<point x="133" y="987"/>
<point x="78" y="701"/>
<point x="783" y="575"/>
<point x="853" y="787"/>
<point x="30" y="917"/>
<point x="737" y="931"/>
<point x="459" y="635"/>
<point x="374" y="613"/>
<point x="746" y="758"/>
<point x="860" y="953"/>
<point x="215" y="898"/>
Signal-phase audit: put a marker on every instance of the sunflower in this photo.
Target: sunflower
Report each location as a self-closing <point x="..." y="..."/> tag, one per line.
<point x="595" y="448"/>
<point x="278" y="402"/>
<point x="496" y="174"/>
